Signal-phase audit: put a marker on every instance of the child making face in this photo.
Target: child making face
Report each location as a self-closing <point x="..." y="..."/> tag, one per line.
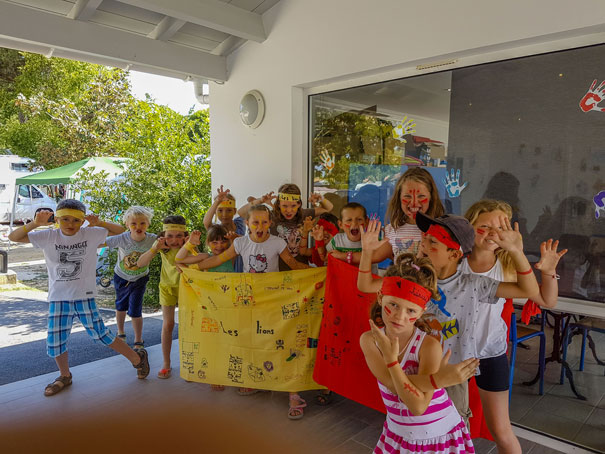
<point x="217" y="242"/>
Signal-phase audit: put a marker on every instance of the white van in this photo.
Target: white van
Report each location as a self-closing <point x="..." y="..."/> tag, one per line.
<point x="29" y="198"/>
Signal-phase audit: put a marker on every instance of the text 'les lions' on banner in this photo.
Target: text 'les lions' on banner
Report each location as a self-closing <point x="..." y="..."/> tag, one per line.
<point x="251" y="330"/>
<point x="341" y="365"/>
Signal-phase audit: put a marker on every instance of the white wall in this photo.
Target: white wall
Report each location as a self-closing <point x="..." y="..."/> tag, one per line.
<point x="314" y="44"/>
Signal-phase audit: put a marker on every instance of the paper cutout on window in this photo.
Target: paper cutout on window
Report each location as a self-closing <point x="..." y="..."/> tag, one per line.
<point x="327" y="161"/>
<point x="452" y="184"/>
<point x="404" y="128"/>
<point x="599" y="203"/>
<point x="593" y="97"/>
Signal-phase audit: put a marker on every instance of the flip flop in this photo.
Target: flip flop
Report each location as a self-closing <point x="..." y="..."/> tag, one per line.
<point x="296" y="411"/>
<point x="165" y="373"/>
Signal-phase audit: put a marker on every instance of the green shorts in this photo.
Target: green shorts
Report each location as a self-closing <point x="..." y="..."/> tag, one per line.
<point x="169" y="296"/>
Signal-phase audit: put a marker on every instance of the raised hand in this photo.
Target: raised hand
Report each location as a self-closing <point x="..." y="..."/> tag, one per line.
<point x="404" y="128"/>
<point x="452" y="184"/>
<point x="549" y="257"/>
<point x="388" y="346"/>
<point x="195" y="237"/>
<point x="318" y="233"/>
<point x="42" y="217"/>
<point x="231" y="236"/>
<point x="93" y="220"/>
<point x="452" y="374"/>
<point x="161" y="243"/>
<point x="268" y="198"/>
<point x="222" y="194"/>
<point x="369" y="236"/>
<point x="593" y="97"/>
<point x="327" y="161"/>
<point x="308" y="225"/>
<point x="508" y="238"/>
<point x="315" y="198"/>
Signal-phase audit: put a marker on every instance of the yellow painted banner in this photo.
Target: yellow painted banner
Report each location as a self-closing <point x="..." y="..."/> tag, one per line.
<point x="251" y="330"/>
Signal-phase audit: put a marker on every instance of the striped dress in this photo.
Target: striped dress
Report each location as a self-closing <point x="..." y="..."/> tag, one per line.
<point x="439" y="430"/>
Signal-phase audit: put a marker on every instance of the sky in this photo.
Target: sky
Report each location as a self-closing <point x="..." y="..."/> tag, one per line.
<point x="174" y="93"/>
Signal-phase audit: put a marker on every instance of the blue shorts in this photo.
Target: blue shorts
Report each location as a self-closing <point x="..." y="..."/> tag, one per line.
<point x="494" y="374"/>
<point x="60" y="319"/>
<point x="129" y="295"/>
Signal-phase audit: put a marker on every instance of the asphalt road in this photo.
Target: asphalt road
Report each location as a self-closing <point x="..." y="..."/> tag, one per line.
<point x="23" y="337"/>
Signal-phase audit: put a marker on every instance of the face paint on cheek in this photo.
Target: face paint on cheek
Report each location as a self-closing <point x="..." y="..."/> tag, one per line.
<point x="413" y="319"/>
<point x="348" y="226"/>
<point x="253" y="227"/>
<point x="387" y="310"/>
<point x="480" y="231"/>
<point x="433" y="249"/>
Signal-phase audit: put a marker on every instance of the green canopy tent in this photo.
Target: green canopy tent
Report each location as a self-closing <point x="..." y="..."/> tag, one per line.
<point x="69" y="174"/>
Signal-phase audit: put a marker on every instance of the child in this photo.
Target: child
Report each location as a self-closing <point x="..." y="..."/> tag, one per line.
<point x="487" y="259"/>
<point x="171" y="239"/>
<point x="415" y="192"/>
<point x="224" y="207"/>
<point x="261" y="252"/>
<point x="322" y="233"/>
<point x="129" y="280"/>
<point x="288" y="219"/>
<point x="71" y="257"/>
<point x="416" y="421"/>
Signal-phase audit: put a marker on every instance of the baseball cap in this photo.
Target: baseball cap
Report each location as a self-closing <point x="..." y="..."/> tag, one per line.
<point x="462" y="230"/>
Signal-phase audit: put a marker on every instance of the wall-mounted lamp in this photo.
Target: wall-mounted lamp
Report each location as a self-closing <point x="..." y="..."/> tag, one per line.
<point x="252" y="109"/>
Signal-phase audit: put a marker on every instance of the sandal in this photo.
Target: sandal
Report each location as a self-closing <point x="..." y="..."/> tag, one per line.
<point x="138" y="345"/>
<point x="324" y="399"/>
<point x="165" y="373"/>
<point x="247" y="391"/>
<point x="60" y="383"/>
<point x="122" y="336"/>
<point x="217" y="387"/>
<point x="143" y="366"/>
<point x="296" y="411"/>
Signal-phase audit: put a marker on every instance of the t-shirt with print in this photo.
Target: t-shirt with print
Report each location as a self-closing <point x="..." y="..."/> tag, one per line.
<point x="129" y="252"/>
<point x="405" y="238"/>
<point x="341" y="242"/>
<point x="454" y="320"/>
<point x="492" y="340"/>
<point x="259" y="257"/>
<point x="71" y="261"/>
<point x="291" y="233"/>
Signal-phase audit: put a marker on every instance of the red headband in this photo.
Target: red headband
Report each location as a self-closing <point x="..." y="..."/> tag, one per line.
<point x="328" y="226"/>
<point x="402" y="288"/>
<point x="442" y="235"/>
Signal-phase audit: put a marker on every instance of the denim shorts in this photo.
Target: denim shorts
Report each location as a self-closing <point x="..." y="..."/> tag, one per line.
<point x="129" y="295"/>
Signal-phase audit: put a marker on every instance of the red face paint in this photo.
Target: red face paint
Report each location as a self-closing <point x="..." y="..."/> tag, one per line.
<point x="433" y="249"/>
<point x="410" y="389"/>
<point x="387" y="310"/>
<point x="348" y="226"/>
<point x="480" y="231"/>
<point x="413" y="319"/>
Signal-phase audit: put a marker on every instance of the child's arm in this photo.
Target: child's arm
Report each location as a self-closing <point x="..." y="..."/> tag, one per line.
<point x="217" y="260"/>
<point x="267" y="198"/>
<point x="146" y="257"/>
<point x="511" y="241"/>
<point x="291" y="261"/>
<point x="326" y="205"/>
<point x="549" y="258"/>
<point x="222" y="196"/>
<point x="304" y="248"/>
<point x="113" y="229"/>
<point x="447" y="375"/>
<point x="369" y="243"/>
<point x="318" y="236"/>
<point x="20" y="235"/>
<point x="188" y="253"/>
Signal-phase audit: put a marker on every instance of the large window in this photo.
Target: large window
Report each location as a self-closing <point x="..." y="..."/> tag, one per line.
<point x="529" y="131"/>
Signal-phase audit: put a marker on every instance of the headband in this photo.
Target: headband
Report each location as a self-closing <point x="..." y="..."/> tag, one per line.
<point x="227" y="204"/>
<point x="402" y="288"/>
<point x="289" y="197"/>
<point x="328" y="226"/>
<point x="442" y="235"/>
<point x="177" y="227"/>
<point x="69" y="212"/>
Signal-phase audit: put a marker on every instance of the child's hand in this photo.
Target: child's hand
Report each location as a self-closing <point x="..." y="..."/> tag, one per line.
<point x="315" y="199"/>
<point x="231" y="236"/>
<point x="453" y="374"/>
<point x="307" y="225"/>
<point x="508" y="238"/>
<point x="318" y="233"/>
<point x="268" y="198"/>
<point x="93" y="220"/>
<point x="161" y="243"/>
<point x="549" y="257"/>
<point x="42" y="217"/>
<point x="369" y="236"/>
<point x="194" y="238"/>
<point x="338" y="255"/>
<point x="178" y="267"/>
<point x="222" y="194"/>
<point x="388" y="346"/>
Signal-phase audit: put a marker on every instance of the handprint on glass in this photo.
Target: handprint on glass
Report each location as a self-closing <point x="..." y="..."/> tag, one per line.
<point x="593" y="97"/>
<point x="452" y="184"/>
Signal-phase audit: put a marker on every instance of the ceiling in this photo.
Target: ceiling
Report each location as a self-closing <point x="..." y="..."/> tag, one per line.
<point x="177" y="38"/>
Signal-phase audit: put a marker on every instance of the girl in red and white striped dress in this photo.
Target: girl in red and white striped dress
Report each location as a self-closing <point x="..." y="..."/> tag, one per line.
<point x="417" y="421"/>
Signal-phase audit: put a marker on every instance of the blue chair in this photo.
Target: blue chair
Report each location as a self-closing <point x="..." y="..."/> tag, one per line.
<point x="521" y="334"/>
<point x="582" y="326"/>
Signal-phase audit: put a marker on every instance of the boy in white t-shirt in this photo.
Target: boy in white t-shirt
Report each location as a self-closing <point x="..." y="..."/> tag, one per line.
<point x="71" y="257"/>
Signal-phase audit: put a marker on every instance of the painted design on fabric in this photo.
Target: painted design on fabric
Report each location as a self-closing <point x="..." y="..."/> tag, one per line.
<point x="599" y="203"/>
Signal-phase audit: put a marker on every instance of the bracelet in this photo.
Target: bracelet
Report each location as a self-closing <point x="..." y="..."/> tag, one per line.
<point x="349" y="257"/>
<point x="223" y="257"/>
<point x="320" y="243"/>
<point x="394" y="363"/>
<point x="191" y="248"/>
<point x="554" y="276"/>
<point x="523" y="273"/>
<point x="433" y="384"/>
<point x="25" y="228"/>
<point x="365" y="271"/>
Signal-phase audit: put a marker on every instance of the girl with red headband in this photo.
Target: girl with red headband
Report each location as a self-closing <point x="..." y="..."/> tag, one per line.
<point x="416" y="421"/>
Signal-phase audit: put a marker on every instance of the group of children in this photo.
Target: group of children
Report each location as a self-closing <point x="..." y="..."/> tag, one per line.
<point x="448" y="271"/>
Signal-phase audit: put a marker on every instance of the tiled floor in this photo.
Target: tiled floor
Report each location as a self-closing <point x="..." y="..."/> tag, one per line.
<point x="107" y="405"/>
<point x="558" y="412"/>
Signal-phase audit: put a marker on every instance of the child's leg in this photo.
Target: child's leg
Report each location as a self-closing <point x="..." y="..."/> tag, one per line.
<point x="122" y="287"/>
<point x="60" y="320"/>
<point x="120" y="320"/>
<point x="63" y="364"/>
<point x="495" y="411"/>
<point x="135" y="307"/>
<point x="167" y="328"/>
